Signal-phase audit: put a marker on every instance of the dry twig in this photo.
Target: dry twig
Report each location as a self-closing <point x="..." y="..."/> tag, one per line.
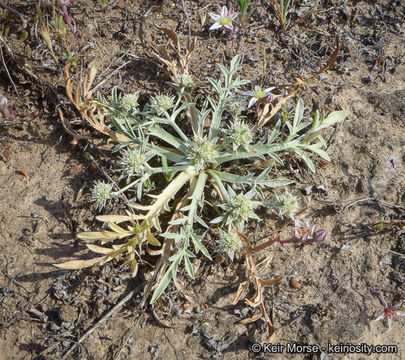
<point x="115" y="308"/>
<point x="177" y="65"/>
<point x="15" y="12"/>
<point x="259" y="282"/>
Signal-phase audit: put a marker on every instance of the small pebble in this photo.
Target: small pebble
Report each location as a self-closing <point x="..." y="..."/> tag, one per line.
<point x="347" y="246"/>
<point x="295" y="284"/>
<point x="385" y="260"/>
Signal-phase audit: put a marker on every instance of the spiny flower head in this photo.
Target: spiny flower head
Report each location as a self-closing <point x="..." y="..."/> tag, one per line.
<point x="202" y="151"/>
<point x="161" y="103"/>
<point x="185" y="81"/>
<point x="101" y="193"/>
<point x="241" y="208"/>
<point x="240" y="134"/>
<point x="237" y="210"/>
<point x="133" y="161"/>
<point x="130" y="101"/>
<point x="229" y="243"/>
<point x="287" y="204"/>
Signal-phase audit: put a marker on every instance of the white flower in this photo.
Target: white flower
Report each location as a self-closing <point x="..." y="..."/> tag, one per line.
<point x="224" y="19"/>
<point x="257" y="94"/>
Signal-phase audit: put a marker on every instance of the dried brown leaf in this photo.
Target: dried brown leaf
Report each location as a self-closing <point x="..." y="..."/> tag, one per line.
<point x="264" y="245"/>
<point x="257" y="299"/>
<point x="99" y="249"/>
<point x="79" y="264"/>
<point x="242" y="287"/>
<point x="270" y="282"/>
<point x="251" y="319"/>
<point x="171" y="35"/>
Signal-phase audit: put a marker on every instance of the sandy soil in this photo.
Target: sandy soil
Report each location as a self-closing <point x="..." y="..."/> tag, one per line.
<point x="46" y="175"/>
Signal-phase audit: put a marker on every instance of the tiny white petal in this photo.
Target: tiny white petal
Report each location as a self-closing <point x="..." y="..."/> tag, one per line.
<point x="389" y="322"/>
<point x="224" y="11"/>
<point x="233" y="16"/>
<point x="215" y="26"/>
<point x="269" y="90"/>
<point x="400" y="313"/>
<point x="380" y="318"/>
<point x="248" y="93"/>
<point x="257" y="88"/>
<point x="252" y="102"/>
<point x="214" y="16"/>
<point x="229" y="26"/>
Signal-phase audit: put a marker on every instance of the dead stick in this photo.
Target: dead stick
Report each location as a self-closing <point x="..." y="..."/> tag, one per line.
<point x="14" y="12"/>
<point x="90" y="330"/>
<point x="8" y="73"/>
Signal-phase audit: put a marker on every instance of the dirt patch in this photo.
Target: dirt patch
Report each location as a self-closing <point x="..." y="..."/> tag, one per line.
<point x="45" y="179"/>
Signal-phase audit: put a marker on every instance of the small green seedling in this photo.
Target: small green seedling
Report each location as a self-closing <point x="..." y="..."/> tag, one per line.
<point x="243" y="7"/>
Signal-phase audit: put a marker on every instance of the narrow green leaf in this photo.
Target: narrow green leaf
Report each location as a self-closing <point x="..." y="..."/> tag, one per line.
<point x="304" y="156"/>
<point x="165" y="281"/>
<point x="299" y="113"/>
<point x="180" y="221"/>
<point x="189" y="266"/>
<point x="197" y="243"/>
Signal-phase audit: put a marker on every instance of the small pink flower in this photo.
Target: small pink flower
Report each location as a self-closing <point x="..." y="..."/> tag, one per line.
<point x="224" y="19"/>
<point x="389" y="311"/>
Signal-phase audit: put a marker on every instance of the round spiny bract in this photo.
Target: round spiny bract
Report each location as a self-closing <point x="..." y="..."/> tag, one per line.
<point x="241" y="208"/>
<point x="133" y="161"/>
<point x="240" y="134"/>
<point x="229" y="243"/>
<point x="203" y="151"/>
<point x="185" y="81"/>
<point x="287" y="204"/>
<point x="162" y="103"/>
<point x="101" y="193"/>
<point x="130" y="101"/>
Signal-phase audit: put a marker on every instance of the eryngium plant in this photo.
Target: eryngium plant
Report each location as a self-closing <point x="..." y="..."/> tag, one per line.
<point x="196" y="160"/>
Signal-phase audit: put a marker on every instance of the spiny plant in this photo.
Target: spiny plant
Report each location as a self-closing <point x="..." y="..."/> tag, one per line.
<point x="204" y="153"/>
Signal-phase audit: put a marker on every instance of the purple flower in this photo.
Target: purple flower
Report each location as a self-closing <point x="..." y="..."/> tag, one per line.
<point x="257" y="94"/>
<point x="305" y="234"/>
<point x="224" y="19"/>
